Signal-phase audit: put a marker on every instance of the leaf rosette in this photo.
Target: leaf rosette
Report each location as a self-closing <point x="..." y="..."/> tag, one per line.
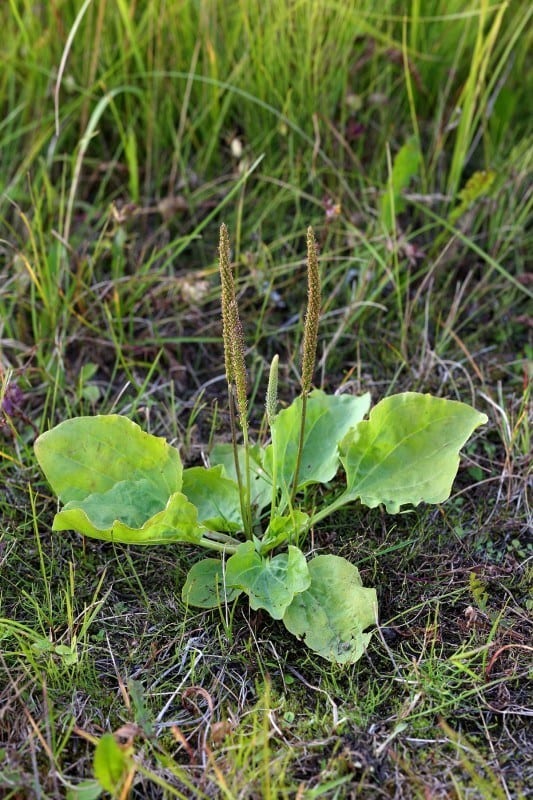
<point x="120" y="484"/>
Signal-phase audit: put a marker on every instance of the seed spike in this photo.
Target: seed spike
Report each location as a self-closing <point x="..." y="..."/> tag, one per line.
<point x="312" y="316"/>
<point x="227" y="298"/>
<point x="272" y="390"/>
<point x="233" y="339"/>
<point x="238" y="363"/>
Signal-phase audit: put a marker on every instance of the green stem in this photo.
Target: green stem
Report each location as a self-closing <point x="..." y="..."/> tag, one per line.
<point x="247" y="511"/>
<point x="300" y="448"/>
<point x="220" y="547"/>
<point x="341" y="501"/>
<point x="245" y="491"/>
<point x="274" y="497"/>
<point x="224" y="538"/>
<point x="233" y="427"/>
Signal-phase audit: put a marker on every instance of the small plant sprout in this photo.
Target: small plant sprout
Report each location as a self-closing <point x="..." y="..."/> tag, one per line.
<point x="120" y="484"/>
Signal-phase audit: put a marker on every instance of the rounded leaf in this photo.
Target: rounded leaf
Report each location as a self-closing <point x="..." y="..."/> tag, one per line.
<point x="215" y="496"/>
<point x="407" y="451"/>
<point x="89" y="455"/>
<point x="206" y="586"/>
<point x="270" y="583"/>
<point x="328" y="419"/>
<point x="177" y="522"/>
<point x="331" y="615"/>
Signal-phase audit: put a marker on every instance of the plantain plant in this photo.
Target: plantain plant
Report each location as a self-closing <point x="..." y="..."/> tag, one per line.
<point x="248" y="508"/>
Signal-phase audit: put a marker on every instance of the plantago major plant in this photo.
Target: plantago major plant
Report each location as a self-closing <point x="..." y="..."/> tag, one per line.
<point x="248" y="507"/>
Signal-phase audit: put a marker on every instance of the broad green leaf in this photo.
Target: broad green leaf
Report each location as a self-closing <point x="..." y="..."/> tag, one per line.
<point x="331" y="615"/>
<point x="405" y="167"/>
<point x="215" y="497"/>
<point x="407" y="451"/>
<point x="110" y="763"/>
<point x="261" y="487"/>
<point x="86" y="790"/>
<point x="178" y="522"/>
<point x="270" y="583"/>
<point x="131" y="502"/>
<point x="328" y="419"/>
<point x="206" y="586"/>
<point x="89" y="455"/>
<point x="284" y="529"/>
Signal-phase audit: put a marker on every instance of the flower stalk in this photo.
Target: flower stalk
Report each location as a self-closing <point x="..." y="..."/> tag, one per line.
<point x="310" y="339"/>
<point x="271" y="405"/>
<point x="233" y="339"/>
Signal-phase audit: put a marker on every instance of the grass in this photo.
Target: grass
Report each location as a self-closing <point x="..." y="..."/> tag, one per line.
<point x="128" y="133"/>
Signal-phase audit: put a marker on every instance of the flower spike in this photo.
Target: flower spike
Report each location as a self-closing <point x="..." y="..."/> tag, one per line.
<point x="312" y="316"/>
